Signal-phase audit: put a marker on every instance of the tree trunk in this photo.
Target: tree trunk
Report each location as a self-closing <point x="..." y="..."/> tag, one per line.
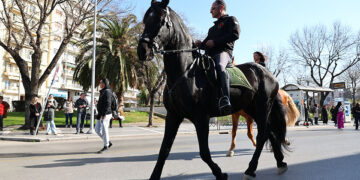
<point x="30" y="92"/>
<point x="151" y="112"/>
<point x="353" y="97"/>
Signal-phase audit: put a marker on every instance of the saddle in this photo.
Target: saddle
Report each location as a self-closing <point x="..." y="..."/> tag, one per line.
<point x="237" y="77"/>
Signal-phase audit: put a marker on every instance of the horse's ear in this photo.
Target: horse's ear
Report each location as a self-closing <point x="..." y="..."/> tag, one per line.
<point x="153" y="1"/>
<point x="164" y="3"/>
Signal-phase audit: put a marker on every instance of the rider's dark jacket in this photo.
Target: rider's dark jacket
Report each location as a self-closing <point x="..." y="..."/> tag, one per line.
<point x="224" y="33"/>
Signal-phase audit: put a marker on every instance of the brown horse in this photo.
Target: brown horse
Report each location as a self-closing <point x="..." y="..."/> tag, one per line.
<point x="292" y="115"/>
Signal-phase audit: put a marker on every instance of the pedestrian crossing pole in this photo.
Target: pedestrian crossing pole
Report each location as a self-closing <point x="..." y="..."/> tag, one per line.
<point x="46" y="99"/>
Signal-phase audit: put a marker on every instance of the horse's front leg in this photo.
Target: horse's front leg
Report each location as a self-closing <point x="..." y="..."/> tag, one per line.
<point x="172" y="123"/>
<point x="235" y="123"/>
<point x="202" y="131"/>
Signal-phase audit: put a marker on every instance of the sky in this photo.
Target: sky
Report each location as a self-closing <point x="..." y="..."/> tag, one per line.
<point x="264" y="22"/>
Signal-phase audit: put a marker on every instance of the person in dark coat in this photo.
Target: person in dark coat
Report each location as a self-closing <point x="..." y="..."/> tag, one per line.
<point x="307" y="118"/>
<point x="324" y="115"/>
<point x="35" y="110"/>
<point x="356" y="113"/>
<point x="104" y="114"/>
<point x="219" y="44"/>
<point x="81" y="105"/>
<point x="49" y="115"/>
<point x="333" y="112"/>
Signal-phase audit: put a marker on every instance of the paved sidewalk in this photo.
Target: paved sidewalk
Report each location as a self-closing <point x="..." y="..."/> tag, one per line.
<point x="129" y="130"/>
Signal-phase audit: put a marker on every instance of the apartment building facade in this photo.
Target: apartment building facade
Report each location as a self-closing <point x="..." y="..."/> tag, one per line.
<point x="64" y="86"/>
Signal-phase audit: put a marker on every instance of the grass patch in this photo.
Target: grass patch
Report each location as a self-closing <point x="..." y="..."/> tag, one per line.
<point x="18" y="118"/>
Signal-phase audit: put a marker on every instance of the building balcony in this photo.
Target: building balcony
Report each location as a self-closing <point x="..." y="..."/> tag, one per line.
<point x="10" y="91"/>
<point x="76" y="87"/>
<point x="12" y="76"/>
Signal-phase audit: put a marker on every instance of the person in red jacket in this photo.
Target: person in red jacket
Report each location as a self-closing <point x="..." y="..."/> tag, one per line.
<point x="4" y="106"/>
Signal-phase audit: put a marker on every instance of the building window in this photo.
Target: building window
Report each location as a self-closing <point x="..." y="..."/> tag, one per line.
<point x="57" y="38"/>
<point x="7" y="84"/>
<point x="58" y="12"/>
<point x="58" y="26"/>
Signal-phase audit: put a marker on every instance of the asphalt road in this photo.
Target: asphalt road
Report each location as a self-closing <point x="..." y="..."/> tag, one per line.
<point x="316" y="153"/>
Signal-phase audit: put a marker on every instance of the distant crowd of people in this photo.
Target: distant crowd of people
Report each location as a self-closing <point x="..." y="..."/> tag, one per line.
<point x="105" y="111"/>
<point x="337" y="115"/>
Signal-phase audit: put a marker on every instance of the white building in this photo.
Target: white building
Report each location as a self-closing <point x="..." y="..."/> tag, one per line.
<point x="10" y="80"/>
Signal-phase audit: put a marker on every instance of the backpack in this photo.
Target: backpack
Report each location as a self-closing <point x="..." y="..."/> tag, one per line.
<point x="114" y="105"/>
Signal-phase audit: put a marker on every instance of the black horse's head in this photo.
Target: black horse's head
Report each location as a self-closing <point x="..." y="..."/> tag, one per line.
<point x="157" y="25"/>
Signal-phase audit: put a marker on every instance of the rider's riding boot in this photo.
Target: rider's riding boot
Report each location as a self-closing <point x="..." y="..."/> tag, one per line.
<point x="224" y="101"/>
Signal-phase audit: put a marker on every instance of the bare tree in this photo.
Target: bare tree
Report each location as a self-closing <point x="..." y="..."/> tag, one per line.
<point x="327" y="53"/>
<point x="352" y="78"/>
<point x="30" y="30"/>
<point x="278" y="63"/>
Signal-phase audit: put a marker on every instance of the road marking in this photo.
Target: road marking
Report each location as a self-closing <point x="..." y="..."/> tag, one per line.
<point x="150" y="130"/>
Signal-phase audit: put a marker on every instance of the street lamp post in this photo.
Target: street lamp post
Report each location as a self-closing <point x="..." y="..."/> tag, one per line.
<point x="91" y="130"/>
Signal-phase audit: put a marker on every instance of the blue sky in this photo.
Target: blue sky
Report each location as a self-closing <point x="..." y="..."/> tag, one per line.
<point x="264" y="22"/>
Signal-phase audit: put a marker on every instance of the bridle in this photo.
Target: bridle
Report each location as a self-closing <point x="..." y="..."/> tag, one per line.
<point x="154" y="45"/>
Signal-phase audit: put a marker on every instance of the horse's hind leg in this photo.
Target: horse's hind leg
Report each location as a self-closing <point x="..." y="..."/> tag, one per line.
<point x="235" y="123"/>
<point x="171" y="127"/>
<point x="276" y="145"/>
<point x="250" y="131"/>
<point x="202" y="131"/>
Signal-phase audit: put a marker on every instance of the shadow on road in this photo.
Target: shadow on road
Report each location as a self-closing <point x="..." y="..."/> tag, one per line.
<point x="20" y="155"/>
<point x="173" y="156"/>
<point x="345" y="167"/>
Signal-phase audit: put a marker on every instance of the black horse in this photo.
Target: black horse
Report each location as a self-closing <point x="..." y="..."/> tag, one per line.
<point x="190" y="94"/>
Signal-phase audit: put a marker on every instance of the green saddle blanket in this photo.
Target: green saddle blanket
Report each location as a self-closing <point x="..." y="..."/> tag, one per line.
<point x="238" y="78"/>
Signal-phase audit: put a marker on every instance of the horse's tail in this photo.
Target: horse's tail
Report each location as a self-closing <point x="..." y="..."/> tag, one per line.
<point x="278" y="122"/>
<point x="292" y="113"/>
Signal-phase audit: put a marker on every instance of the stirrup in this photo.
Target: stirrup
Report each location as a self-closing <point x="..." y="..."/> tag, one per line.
<point x="224" y="105"/>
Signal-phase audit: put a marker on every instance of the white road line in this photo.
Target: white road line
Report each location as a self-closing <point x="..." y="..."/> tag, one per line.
<point x="150" y="130"/>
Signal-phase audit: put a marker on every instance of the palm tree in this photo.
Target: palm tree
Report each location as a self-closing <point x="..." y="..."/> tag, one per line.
<point x="115" y="54"/>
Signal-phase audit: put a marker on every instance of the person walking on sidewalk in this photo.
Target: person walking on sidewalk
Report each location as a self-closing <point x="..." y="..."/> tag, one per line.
<point x="356" y="113"/>
<point x="35" y="110"/>
<point x="104" y="114"/>
<point x="4" y="106"/>
<point x="69" y="110"/>
<point x="49" y="116"/>
<point x="81" y="105"/>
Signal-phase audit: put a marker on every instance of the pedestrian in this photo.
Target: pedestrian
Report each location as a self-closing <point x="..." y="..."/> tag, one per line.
<point x="4" y="107"/>
<point x="104" y="114"/>
<point x="324" y="115"/>
<point x="35" y="110"/>
<point x="219" y="44"/>
<point x="69" y="111"/>
<point x="340" y="115"/>
<point x="316" y="113"/>
<point x="81" y="105"/>
<point x="333" y="112"/>
<point x="356" y="113"/>
<point x="307" y="118"/>
<point x="49" y="115"/>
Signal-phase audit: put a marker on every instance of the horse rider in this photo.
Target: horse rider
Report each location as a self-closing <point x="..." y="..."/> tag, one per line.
<point x="219" y="44"/>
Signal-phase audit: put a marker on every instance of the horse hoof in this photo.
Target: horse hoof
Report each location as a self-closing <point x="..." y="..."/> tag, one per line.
<point x="248" y="177"/>
<point x="224" y="176"/>
<point x="281" y="170"/>
<point x="287" y="142"/>
<point x="230" y="154"/>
